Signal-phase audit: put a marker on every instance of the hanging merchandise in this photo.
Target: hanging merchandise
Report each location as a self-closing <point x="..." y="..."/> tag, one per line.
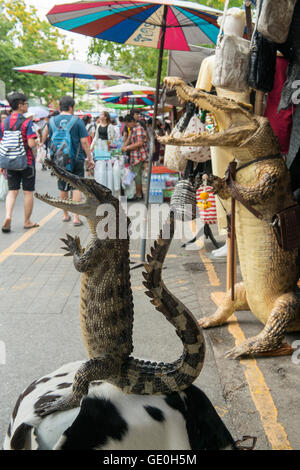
<point x="200" y="153"/>
<point x="109" y="177"/>
<point x="275" y="19"/>
<point x="206" y="203"/>
<point x="183" y="199"/>
<point x="282" y="121"/>
<point x="173" y="157"/>
<point x="262" y="64"/>
<point x="100" y="172"/>
<point x="117" y="175"/>
<point x="231" y="60"/>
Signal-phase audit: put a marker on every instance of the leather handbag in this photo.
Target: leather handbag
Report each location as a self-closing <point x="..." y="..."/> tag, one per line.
<point x="262" y="64"/>
<point x="275" y="19"/>
<point x="231" y="60"/>
<point x="262" y="60"/>
<point x="286" y="224"/>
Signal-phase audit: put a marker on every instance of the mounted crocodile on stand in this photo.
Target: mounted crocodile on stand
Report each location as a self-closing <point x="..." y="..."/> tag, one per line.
<point x="106" y="304"/>
<point x="269" y="273"/>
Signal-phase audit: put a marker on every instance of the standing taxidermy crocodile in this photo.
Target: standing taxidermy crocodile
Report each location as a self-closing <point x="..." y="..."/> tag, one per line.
<point x="269" y="273"/>
<point x="106" y="303"/>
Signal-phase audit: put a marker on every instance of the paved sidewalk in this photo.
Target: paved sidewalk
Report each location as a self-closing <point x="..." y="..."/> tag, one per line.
<point x="40" y="329"/>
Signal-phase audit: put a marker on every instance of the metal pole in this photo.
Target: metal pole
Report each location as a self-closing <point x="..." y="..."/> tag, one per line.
<point x="73" y="87"/>
<point x="152" y="146"/>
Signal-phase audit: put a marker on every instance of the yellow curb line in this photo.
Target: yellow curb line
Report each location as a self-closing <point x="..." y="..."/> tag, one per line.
<point x="20" y="253"/>
<point x="13" y="247"/>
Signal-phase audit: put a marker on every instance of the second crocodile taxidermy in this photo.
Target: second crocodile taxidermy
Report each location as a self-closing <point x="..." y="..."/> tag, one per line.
<point x="106" y="303"/>
<point x="269" y="273"/>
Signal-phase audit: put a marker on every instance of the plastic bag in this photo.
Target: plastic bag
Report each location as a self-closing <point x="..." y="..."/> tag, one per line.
<point x="129" y="191"/>
<point x="3" y="187"/>
<point x="41" y="155"/>
<point x="128" y="177"/>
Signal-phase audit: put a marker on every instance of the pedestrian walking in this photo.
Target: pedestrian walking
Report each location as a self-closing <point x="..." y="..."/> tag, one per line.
<point x="26" y="177"/>
<point x="79" y="150"/>
<point x="137" y="147"/>
<point x="90" y="127"/>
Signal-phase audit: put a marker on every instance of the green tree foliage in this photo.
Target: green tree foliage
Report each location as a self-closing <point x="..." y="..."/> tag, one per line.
<point x="26" y="40"/>
<point x="136" y="61"/>
<point x="220" y="3"/>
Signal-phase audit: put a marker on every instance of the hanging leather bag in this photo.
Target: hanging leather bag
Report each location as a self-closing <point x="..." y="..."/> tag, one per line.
<point x="262" y="62"/>
<point x="286" y="224"/>
<point x="231" y="60"/>
<point x="275" y="19"/>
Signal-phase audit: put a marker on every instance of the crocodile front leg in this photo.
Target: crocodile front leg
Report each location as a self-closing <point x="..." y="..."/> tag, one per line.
<point x="270" y="338"/>
<point x="100" y="368"/>
<point x="83" y="259"/>
<point x="228" y="307"/>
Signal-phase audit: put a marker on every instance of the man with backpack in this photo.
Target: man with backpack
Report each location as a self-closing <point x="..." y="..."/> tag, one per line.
<point x="69" y="147"/>
<point x="17" y="141"/>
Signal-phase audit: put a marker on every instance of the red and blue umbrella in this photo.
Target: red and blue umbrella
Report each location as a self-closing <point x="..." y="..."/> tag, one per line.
<point x="139" y="22"/>
<point x="146" y="100"/>
<point x="72" y="69"/>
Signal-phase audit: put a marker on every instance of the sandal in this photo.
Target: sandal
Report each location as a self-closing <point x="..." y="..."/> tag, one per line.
<point x="6" y="227"/>
<point x="31" y="226"/>
<point x="78" y="224"/>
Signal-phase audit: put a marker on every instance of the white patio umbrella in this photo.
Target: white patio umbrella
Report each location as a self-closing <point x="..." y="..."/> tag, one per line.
<point x="72" y="69"/>
<point x="126" y="89"/>
<point x="40" y="112"/>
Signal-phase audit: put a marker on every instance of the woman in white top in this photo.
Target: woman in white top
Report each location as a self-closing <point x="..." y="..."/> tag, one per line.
<point x="105" y="134"/>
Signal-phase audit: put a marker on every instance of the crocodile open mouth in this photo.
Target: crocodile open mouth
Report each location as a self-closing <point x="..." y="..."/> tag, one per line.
<point x="94" y="193"/>
<point x="235" y="124"/>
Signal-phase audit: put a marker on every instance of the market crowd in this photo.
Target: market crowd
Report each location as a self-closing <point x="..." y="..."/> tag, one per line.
<point x="92" y="142"/>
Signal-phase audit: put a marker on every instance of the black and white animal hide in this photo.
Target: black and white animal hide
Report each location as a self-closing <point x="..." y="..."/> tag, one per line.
<point x="111" y="420"/>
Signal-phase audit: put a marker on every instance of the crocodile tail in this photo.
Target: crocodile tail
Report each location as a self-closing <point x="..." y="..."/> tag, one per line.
<point x="149" y="377"/>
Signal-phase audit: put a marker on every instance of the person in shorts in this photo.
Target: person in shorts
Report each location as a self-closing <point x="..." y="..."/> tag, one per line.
<point x="137" y="147"/>
<point x="26" y="178"/>
<point x="80" y="147"/>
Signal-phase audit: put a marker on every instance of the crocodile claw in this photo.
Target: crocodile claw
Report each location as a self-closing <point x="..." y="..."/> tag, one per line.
<point x="61" y="404"/>
<point x="237" y="352"/>
<point x="72" y="245"/>
<point x="247" y="348"/>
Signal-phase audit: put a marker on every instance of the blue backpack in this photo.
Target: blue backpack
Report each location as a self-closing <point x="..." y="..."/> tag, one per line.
<point x="61" y="149"/>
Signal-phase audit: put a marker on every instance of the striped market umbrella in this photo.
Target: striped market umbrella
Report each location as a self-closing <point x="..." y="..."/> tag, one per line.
<point x="4" y="104"/>
<point x="130" y="99"/>
<point x="140" y="23"/>
<point x="72" y="69"/>
<point x="160" y="24"/>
